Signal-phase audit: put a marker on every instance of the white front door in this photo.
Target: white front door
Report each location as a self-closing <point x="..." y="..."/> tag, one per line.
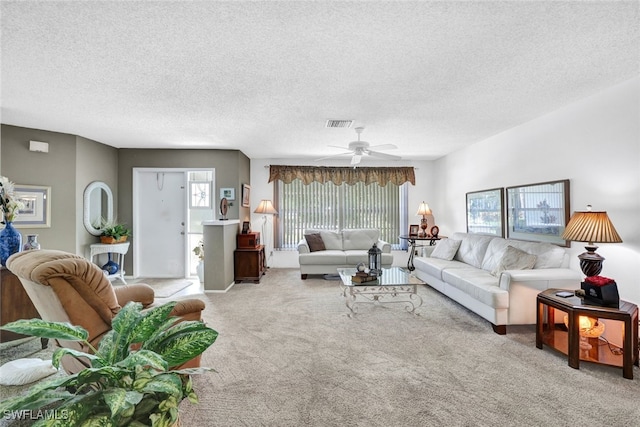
<point x="159" y="206"/>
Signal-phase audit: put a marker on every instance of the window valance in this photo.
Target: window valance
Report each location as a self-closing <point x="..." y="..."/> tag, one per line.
<point x="338" y="175"/>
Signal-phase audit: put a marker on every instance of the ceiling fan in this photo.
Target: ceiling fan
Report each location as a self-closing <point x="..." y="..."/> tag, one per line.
<point x="359" y="148"/>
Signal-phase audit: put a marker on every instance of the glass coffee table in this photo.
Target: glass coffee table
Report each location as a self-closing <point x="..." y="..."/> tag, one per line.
<point x="394" y="285"/>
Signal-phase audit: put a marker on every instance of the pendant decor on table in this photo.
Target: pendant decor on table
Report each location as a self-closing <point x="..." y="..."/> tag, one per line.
<point x="10" y="242"/>
<point x="31" y="243"/>
<point x="111" y="266"/>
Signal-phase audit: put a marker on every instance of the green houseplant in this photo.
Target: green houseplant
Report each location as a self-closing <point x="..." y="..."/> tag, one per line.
<point x="114" y="233"/>
<point x="129" y="382"/>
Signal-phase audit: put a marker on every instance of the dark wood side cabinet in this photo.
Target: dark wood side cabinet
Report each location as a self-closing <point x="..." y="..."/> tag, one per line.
<point x="566" y="338"/>
<point x="15" y="304"/>
<point x="249" y="264"/>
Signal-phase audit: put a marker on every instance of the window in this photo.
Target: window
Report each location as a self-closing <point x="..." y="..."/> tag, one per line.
<point x="335" y="207"/>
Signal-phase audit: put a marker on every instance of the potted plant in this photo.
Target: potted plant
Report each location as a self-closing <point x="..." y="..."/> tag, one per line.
<point x="199" y="252"/>
<point x="130" y="381"/>
<point x="114" y="232"/>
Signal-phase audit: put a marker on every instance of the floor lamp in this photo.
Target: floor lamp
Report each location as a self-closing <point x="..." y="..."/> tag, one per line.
<point x="266" y="208"/>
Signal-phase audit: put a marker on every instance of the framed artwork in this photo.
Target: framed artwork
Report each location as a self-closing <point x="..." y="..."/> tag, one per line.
<point x="246" y="227"/>
<point x="246" y="199"/>
<point x="36" y="212"/>
<point x="484" y="212"/>
<point x="228" y="193"/>
<point x="414" y="229"/>
<point x="200" y="195"/>
<point x="538" y="212"/>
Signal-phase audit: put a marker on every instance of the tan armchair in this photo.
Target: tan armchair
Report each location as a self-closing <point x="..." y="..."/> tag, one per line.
<point x="69" y="288"/>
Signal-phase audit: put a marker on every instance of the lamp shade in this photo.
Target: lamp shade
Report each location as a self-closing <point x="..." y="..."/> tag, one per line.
<point x="591" y="227"/>
<point x="266" y="207"/>
<point x="423" y="209"/>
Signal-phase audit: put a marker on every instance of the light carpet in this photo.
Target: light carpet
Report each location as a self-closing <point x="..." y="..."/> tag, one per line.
<point x="288" y="355"/>
<point x="164" y="288"/>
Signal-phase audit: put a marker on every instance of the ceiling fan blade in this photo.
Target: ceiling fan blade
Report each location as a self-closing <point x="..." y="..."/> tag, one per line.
<point x="337" y="146"/>
<point x="383" y="155"/>
<point x="333" y="155"/>
<point x="356" y="159"/>
<point x="383" y="147"/>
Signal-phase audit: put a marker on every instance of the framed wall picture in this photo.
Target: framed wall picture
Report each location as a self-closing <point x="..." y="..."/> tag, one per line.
<point x="36" y="212"/>
<point x="246" y="196"/>
<point x="228" y="193"/>
<point x="246" y="227"/>
<point x="414" y="229"/>
<point x="538" y="212"/>
<point x="484" y="212"/>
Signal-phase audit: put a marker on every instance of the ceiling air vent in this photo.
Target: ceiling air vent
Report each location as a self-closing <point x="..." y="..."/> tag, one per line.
<point x="339" y="123"/>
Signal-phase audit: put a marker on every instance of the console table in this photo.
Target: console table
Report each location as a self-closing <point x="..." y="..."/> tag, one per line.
<point x="120" y="249"/>
<point x="567" y="339"/>
<point x="413" y="245"/>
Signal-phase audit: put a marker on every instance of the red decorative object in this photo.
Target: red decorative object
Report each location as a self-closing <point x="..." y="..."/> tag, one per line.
<point x="599" y="280"/>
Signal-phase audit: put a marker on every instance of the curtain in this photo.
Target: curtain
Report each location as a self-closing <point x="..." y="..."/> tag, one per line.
<point x="337" y="175"/>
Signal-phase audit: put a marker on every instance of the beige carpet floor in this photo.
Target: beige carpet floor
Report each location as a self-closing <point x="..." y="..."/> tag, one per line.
<point x="288" y="355"/>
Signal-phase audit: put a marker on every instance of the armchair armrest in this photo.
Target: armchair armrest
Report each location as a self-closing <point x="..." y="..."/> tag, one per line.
<point x="188" y="309"/>
<point x="541" y="279"/>
<point x="138" y="292"/>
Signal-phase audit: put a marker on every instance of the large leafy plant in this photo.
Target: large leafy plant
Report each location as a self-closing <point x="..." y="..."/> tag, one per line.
<point x="130" y="381"/>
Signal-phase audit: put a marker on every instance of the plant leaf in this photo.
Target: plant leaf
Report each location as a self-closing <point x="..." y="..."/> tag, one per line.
<point x="62" y="351"/>
<point x="169" y="383"/>
<point x="120" y="400"/>
<point x="152" y="319"/>
<point x="181" y="345"/>
<point x="145" y="358"/>
<point x="44" y="329"/>
<point x="124" y="322"/>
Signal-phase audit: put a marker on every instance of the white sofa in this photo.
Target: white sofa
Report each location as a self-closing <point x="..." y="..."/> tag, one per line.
<point x="342" y="249"/>
<point x="505" y="297"/>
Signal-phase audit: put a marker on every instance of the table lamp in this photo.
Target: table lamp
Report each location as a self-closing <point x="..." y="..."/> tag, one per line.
<point x="591" y="227"/>
<point x="423" y="210"/>
<point x="265" y="207"/>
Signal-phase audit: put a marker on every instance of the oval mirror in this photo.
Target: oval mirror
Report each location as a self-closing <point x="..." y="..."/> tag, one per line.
<point x="98" y="206"/>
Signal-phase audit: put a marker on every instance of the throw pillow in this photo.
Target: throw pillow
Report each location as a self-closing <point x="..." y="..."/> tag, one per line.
<point x="514" y="259"/>
<point x="446" y="249"/>
<point x="25" y="371"/>
<point x="315" y="242"/>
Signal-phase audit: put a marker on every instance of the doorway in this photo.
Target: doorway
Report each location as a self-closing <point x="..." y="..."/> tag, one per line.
<point x="163" y="222"/>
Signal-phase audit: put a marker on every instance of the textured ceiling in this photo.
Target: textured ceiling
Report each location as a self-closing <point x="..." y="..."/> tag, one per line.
<point x="263" y="77"/>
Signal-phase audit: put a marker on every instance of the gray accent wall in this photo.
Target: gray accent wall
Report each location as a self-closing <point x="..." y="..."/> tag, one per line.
<point x="232" y="169"/>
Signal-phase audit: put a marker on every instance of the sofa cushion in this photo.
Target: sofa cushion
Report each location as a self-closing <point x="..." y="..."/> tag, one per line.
<point x="548" y="255"/>
<point x="435" y="266"/>
<point x="327" y="257"/>
<point x="479" y="284"/>
<point x="354" y="239"/>
<point x="514" y="259"/>
<point x="332" y="239"/>
<point x="355" y="257"/>
<point x="446" y="249"/>
<point x="315" y="242"/>
<point x="472" y="249"/>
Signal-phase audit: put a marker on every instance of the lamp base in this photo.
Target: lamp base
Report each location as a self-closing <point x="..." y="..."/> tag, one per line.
<point x="423" y="226"/>
<point x="590" y="261"/>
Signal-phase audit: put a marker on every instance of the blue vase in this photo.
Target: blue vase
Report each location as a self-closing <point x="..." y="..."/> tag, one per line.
<point x="10" y="242"/>
<point x="111" y="266"/>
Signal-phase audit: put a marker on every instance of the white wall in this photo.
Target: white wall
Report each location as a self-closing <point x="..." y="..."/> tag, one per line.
<point x="594" y="142"/>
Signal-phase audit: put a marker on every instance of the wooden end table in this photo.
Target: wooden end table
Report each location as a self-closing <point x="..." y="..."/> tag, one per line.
<point x="566" y="339"/>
